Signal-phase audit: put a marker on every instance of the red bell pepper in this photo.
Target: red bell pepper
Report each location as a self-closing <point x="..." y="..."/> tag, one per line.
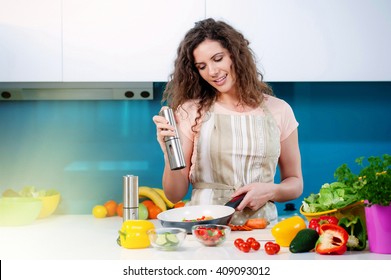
<point x="315" y="223"/>
<point x="332" y="240"/>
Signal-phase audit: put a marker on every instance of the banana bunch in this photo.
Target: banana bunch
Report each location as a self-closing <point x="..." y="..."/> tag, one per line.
<point x="163" y="196"/>
<point x="156" y="195"/>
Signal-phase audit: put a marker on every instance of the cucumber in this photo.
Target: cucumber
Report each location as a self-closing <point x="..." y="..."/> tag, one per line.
<point x="161" y="240"/>
<point x="171" y="238"/>
<point x="166" y="239"/>
<point x="304" y="241"/>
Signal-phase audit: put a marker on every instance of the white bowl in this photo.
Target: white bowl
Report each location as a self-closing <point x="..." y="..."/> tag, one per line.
<point x="188" y="216"/>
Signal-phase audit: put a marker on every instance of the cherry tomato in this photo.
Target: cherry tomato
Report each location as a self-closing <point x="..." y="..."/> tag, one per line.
<point x="245" y="247"/>
<point x="202" y="232"/>
<point x="237" y="242"/>
<point x="250" y="240"/>
<point x="255" y="245"/>
<point x="272" y="248"/>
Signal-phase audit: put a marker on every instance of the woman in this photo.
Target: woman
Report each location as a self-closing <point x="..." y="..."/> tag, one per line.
<point x="233" y="130"/>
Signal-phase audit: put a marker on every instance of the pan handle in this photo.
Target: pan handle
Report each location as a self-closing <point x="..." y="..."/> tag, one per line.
<point x="234" y="202"/>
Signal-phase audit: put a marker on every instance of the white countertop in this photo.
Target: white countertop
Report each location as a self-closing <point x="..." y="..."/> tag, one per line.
<point x="83" y="237"/>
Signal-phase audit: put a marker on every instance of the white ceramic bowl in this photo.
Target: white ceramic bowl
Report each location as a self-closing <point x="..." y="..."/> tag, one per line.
<point x="188" y="216"/>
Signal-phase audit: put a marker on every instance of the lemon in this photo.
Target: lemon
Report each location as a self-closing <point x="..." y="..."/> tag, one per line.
<point x="99" y="211"/>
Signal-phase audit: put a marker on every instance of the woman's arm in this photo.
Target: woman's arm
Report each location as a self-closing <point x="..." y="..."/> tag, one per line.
<point x="175" y="182"/>
<point x="291" y="186"/>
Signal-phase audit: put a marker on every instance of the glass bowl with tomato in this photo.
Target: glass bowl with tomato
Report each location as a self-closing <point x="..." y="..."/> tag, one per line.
<point x="211" y="234"/>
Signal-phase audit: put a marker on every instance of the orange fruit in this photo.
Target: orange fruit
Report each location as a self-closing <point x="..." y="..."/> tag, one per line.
<point x="179" y="204"/>
<point x="111" y="207"/>
<point x="120" y="209"/>
<point x="153" y="211"/>
<point x="148" y="203"/>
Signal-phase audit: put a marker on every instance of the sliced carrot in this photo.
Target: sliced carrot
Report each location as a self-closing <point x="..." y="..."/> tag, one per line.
<point x="239" y="227"/>
<point x="247" y="228"/>
<point x="257" y="223"/>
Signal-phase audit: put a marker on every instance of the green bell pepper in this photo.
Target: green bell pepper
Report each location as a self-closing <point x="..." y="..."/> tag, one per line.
<point x="356" y="229"/>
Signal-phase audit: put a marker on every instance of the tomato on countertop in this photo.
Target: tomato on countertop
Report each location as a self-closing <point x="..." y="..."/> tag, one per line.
<point x="133" y="234"/>
<point x="272" y="248"/>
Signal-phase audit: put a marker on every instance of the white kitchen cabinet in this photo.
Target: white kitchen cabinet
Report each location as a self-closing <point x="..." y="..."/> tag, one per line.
<point x="307" y="40"/>
<point x="132" y="40"/>
<point x="124" y="40"/>
<point x="30" y="40"/>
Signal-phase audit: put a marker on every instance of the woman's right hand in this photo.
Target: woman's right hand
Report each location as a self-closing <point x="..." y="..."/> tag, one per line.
<point x="163" y="129"/>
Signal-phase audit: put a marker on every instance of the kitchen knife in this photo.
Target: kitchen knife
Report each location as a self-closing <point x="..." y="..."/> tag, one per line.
<point x="234" y="202"/>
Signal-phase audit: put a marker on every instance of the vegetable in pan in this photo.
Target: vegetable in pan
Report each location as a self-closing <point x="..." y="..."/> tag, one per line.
<point x="203" y="218"/>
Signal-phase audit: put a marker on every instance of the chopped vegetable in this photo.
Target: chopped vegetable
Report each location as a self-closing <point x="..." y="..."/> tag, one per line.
<point x="166" y="239"/>
<point x="239" y="227"/>
<point x="332" y="240"/>
<point x="210" y="235"/>
<point x="203" y="218"/>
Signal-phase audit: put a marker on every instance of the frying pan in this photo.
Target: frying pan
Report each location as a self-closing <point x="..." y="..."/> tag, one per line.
<point x="221" y="214"/>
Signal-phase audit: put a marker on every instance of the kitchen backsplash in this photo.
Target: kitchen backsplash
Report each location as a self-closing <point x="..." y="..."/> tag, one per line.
<point x="83" y="148"/>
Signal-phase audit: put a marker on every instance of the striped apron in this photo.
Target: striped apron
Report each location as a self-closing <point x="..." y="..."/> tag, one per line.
<point x="233" y="151"/>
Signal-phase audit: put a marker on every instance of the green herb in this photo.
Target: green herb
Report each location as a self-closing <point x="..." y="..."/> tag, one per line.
<point x="372" y="185"/>
<point x="373" y="181"/>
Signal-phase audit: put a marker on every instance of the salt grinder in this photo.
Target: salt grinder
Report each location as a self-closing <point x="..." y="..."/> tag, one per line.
<point x="130" y="183"/>
<point x="173" y="143"/>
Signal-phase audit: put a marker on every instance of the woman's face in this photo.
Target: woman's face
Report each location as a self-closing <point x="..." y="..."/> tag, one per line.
<point x="215" y="66"/>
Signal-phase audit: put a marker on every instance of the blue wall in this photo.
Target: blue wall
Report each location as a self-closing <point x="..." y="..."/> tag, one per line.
<point x="83" y="148"/>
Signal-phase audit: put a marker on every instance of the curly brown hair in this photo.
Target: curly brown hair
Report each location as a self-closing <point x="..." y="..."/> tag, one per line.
<point x="187" y="84"/>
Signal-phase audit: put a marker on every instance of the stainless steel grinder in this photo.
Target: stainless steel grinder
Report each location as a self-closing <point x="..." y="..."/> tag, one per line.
<point x="173" y="143"/>
<point x="130" y="193"/>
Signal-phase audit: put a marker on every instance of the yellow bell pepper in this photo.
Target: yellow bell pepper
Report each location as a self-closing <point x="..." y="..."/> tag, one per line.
<point x="133" y="234"/>
<point x="286" y="230"/>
